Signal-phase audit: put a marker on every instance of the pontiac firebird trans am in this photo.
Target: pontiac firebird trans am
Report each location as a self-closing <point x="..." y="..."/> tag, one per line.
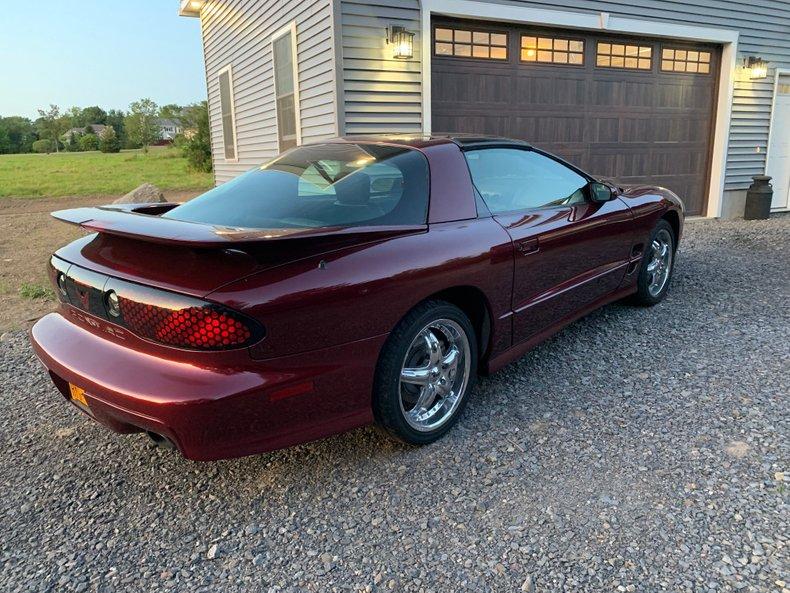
<point x="343" y="283"/>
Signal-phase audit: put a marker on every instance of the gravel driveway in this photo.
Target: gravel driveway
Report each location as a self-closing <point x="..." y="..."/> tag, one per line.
<point x="639" y="450"/>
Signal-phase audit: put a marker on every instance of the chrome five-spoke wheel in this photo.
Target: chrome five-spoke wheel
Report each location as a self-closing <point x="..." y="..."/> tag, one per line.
<point x="660" y="263"/>
<point x="425" y="373"/>
<point x="434" y="374"/>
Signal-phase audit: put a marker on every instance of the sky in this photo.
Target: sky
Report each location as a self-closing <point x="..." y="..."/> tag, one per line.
<point x="90" y="52"/>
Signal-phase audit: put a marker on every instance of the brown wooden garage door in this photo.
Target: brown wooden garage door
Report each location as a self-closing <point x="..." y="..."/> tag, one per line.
<point x="633" y="109"/>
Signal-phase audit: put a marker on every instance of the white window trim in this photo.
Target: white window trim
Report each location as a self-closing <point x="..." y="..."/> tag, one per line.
<point x="289" y="28"/>
<point x="229" y="70"/>
<point x="590" y="21"/>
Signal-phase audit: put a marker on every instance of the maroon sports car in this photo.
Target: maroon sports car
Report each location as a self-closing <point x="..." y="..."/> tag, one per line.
<point x="342" y="283"/>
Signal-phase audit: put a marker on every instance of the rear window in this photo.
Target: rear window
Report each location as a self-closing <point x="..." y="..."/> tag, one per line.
<point x="325" y="185"/>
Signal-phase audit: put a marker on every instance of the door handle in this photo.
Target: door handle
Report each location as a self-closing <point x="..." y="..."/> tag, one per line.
<point x="527" y="246"/>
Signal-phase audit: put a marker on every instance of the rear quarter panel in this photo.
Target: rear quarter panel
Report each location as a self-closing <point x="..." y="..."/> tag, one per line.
<point x="363" y="291"/>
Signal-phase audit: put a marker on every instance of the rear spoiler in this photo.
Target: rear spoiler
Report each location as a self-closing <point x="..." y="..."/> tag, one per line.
<point x="142" y="222"/>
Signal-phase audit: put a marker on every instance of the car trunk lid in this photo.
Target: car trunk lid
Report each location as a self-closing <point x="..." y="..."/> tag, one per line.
<point x="134" y="243"/>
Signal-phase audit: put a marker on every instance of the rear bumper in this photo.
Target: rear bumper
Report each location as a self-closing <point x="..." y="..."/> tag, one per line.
<point x="210" y="412"/>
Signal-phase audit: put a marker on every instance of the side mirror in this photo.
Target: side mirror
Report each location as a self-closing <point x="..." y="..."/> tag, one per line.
<point x="600" y="192"/>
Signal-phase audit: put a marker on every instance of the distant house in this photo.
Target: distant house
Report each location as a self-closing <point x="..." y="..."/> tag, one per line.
<point x="97" y="129"/>
<point x="168" y="128"/>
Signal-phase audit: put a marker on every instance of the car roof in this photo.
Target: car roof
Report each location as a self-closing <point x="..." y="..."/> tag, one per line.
<point x="424" y="141"/>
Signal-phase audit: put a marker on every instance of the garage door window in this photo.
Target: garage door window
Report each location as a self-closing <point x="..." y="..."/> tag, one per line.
<point x="470" y="44"/>
<point x="511" y="179"/>
<point x="685" y="60"/>
<point x="553" y="50"/>
<point x="623" y="55"/>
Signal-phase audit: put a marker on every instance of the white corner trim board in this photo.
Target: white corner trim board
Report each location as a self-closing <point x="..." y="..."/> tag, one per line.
<point x="595" y="21"/>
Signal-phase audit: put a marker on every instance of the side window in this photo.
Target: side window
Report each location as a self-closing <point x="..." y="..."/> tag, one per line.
<point x="286" y="88"/>
<point x="227" y="113"/>
<point x="512" y="179"/>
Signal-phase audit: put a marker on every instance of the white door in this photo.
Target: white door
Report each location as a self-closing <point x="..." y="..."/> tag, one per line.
<point x="778" y="166"/>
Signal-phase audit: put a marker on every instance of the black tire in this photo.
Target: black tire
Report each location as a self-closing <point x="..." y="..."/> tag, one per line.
<point x="388" y="410"/>
<point x="644" y="297"/>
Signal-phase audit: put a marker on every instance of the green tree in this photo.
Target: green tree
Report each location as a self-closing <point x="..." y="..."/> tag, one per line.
<point x="72" y="143"/>
<point x="197" y="137"/>
<point x="42" y="146"/>
<point x="88" y="130"/>
<point x="5" y="141"/>
<point x="83" y="116"/>
<point x="171" y="111"/>
<point x="51" y="124"/>
<point x="108" y="140"/>
<point x="140" y="125"/>
<point x="92" y="115"/>
<point x="20" y="134"/>
<point x="89" y="142"/>
<point x="115" y="119"/>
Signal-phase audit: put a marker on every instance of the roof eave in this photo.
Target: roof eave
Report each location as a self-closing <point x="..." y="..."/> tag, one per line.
<point x="190" y="8"/>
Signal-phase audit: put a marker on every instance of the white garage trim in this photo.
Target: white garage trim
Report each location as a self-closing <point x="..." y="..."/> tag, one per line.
<point x="771" y="131"/>
<point x="597" y="22"/>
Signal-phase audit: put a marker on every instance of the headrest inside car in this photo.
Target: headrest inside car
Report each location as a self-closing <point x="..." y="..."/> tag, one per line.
<point x="353" y="190"/>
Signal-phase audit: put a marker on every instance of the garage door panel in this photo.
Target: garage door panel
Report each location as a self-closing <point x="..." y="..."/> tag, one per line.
<point x="664" y="130"/>
<point x="637" y="129"/>
<point x="469" y="123"/>
<point x="692" y="131"/>
<point x="558" y="129"/>
<point x="551" y="92"/>
<point x="634" y="125"/>
<point x="469" y="89"/>
<point x="602" y="129"/>
<point x="602" y="163"/>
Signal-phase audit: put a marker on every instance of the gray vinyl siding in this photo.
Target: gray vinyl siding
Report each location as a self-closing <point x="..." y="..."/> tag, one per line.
<point x="381" y="94"/>
<point x="238" y="32"/>
<point x="384" y="95"/>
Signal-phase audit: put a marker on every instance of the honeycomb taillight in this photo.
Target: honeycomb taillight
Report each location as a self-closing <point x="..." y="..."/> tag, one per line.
<point x="201" y="327"/>
<point x="158" y="315"/>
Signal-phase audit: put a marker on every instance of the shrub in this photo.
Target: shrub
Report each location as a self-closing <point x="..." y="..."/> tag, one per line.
<point x="42" y="146"/>
<point x="72" y="143"/>
<point x="197" y="138"/>
<point x="109" y="141"/>
<point x="89" y="142"/>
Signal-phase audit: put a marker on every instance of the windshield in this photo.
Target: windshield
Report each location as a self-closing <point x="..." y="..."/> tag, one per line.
<point x="325" y="185"/>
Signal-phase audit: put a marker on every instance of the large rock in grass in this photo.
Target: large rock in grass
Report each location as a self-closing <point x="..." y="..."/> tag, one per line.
<point x="147" y="193"/>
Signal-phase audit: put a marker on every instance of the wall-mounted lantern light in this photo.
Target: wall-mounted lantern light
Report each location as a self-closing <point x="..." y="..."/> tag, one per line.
<point x="191" y="7"/>
<point x="758" y="68"/>
<point x="402" y="41"/>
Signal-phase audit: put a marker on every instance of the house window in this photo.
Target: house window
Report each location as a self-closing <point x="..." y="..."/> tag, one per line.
<point x="285" y="87"/>
<point x="622" y="55"/>
<point x="554" y="50"/>
<point x="470" y="44"/>
<point x="685" y="60"/>
<point x="227" y="110"/>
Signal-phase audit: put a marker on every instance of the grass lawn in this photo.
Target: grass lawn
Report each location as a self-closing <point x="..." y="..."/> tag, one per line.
<point x="96" y="173"/>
